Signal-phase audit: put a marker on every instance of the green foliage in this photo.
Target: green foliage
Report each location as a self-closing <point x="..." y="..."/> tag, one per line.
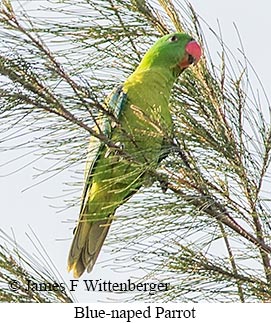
<point x="209" y="234"/>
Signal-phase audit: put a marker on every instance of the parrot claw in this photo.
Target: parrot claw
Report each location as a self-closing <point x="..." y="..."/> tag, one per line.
<point x="118" y="147"/>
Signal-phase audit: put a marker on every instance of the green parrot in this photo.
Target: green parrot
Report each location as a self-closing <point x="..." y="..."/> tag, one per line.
<point x="114" y="174"/>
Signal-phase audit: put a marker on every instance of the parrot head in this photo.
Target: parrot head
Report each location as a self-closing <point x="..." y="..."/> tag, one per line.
<point x="175" y="51"/>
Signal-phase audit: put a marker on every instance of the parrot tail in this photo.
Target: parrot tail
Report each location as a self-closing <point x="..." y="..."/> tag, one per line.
<point x="87" y="243"/>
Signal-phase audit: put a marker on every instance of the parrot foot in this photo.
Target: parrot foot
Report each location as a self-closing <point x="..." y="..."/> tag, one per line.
<point x="118" y="147"/>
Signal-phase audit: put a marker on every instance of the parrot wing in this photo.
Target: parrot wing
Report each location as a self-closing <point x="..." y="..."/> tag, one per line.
<point x="89" y="236"/>
<point x="115" y="104"/>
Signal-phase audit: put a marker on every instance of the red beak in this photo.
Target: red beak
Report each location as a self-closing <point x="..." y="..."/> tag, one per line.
<point x="192" y="54"/>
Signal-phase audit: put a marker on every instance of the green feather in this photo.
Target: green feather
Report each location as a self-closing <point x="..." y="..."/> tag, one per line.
<point x="142" y="108"/>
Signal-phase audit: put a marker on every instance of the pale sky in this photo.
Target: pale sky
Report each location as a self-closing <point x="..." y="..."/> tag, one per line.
<point x="21" y="209"/>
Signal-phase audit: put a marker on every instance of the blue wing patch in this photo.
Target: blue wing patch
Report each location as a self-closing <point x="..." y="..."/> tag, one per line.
<point x="116" y="101"/>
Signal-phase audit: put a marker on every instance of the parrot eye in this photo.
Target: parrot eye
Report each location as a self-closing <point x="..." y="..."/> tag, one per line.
<point x="173" y="39"/>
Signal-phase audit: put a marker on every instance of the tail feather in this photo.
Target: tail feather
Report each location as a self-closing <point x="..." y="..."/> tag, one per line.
<point x="87" y="243"/>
